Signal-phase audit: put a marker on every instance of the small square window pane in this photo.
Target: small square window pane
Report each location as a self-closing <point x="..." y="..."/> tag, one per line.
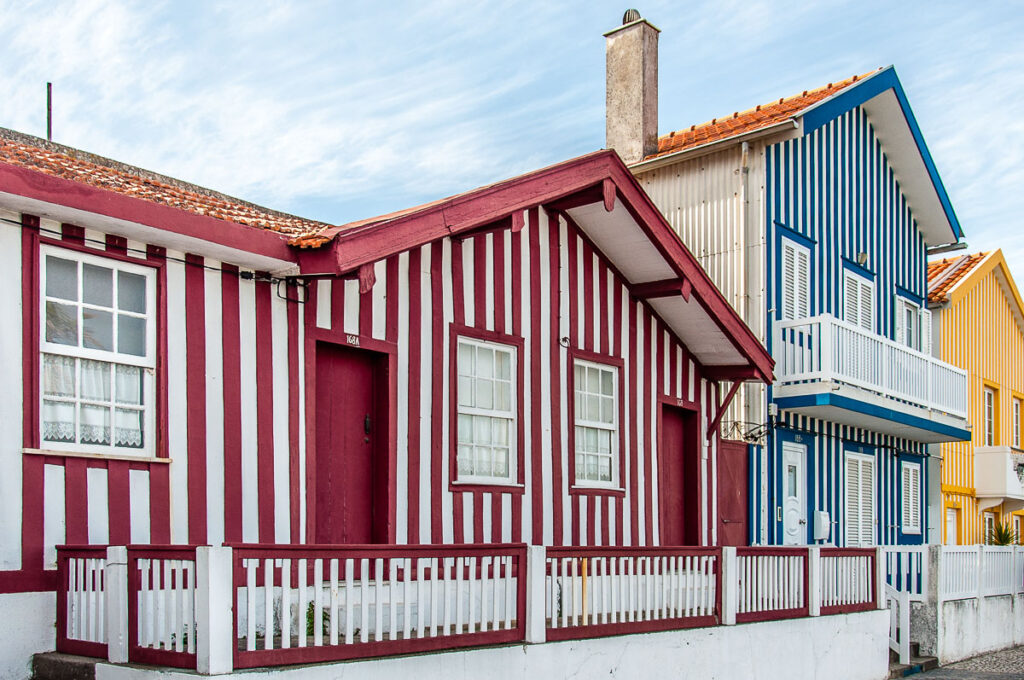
<point x="483" y="461"/>
<point x="131" y="292"/>
<point x="580" y="467"/>
<point x="128" y="384"/>
<point x="465" y="358"/>
<point x="501" y="462"/>
<point x="593" y="408"/>
<point x="58" y="421"/>
<point x="58" y="376"/>
<point x="61" y="278"/>
<point x="484" y="362"/>
<point x="131" y="335"/>
<point x="580" y="376"/>
<point x="605" y="469"/>
<point x="465" y="389"/>
<point x="94" y="424"/>
<point x="128" y="428"/>
<point x="484" y="397"/>
<point x="607" y="384"/>
<point x="504" y="365"/>
<point x="97" y="329"/>
<point x="97" y="285"/>
<point x="499" y="431"/>
<point x="604" y="441"/>
<point x="61" y="323"/>
<point x="578" y="404"/>
<point x="95" y="380"/>
<point x="465" y="428"/>
<point x="465" y="460"/>
<point x="482" y="430"/>
<point x="591" y="467"/>
<point x="591" y="439"/>
<point x="502" y="396"/>
<point x="606" y="410"/>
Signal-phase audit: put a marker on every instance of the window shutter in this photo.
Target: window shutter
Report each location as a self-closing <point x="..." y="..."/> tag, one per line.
<point x="803" y="284"/>
<point x="867" y="501"/>
<point x="852" y="501"/>
<point x="926" y="331"/>
<point x="851" y="295"/>
<point x="899" y="321"/>
<point x="867" y="305"/>
<point x="788" y="281"/>
<point x="915" y="509"/>
<point x="907" y="501"/>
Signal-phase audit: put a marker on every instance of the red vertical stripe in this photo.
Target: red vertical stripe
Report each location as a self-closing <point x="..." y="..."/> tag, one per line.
<point x="159" y="475"/>
<point x="572" y="247"/>
<point x="602" y="288"/>
<point x="659" y="384"/>
<point x="295" y="531"/>
<point x="498" y="250"/>
<point x="415" y="369"/>
<point x="438" y="455"/>
<point x="159" y="504"/>
<point x="588" y="297"/>
<point x="555" y="375"/>
<point x="264" y="412"/>
<point x="119" y="502"/>
<point x="648" y="461"/>
<point x="619" y="506"/>
<point x="515" y="294"/>
<point x="459" y="309"/>
<point x="117" y="244"/>
<point x="309" y="323"/>
<point x="195" y="381"/>
<point x="76" y="501"/>
<point x="338" y="304"/>
<point x="231" y="339"/>
<point x="366" y="312"/>
<point x="32" y="501"/>
<point x="537" y="487"/>
<point x="634" y="436"/>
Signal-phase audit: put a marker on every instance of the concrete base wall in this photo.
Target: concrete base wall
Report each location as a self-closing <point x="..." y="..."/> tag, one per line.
<point x="971" y="627"/>
<point x="27" y="626"/>
<point x="841" y="647"/>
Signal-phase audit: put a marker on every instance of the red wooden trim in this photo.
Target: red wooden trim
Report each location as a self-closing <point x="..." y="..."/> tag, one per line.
<point x="436" y="391"/>
<point x="309" y="366"/>
<point x="64" y="644"/>
<point x="630" y="628"/>
<point x="664" y="288"/>
<point x="109" y="253"/>
<point x="650" y="460"/>
<point x="680" y="403"/>
<point x="498" y="324"/>
<point x="575" y="334"/>
<point x="459" y="313"/>
<point x="76" y="501"/>
<point x="722" y="408"/>
<point x="32" y="501"/>
<point x="137" y="653"/>
<point x="73" y="234"/>
<point x="536" y="455"/>
<point x="195" y="380"/>
<point x="415" y="373"/>
<point x="633" y="310"/>
<point x="515" y="294"/>
<point x="588" y="299"/>
<point x="570" y="389"/>
<point x="117" y="244"/>
<point x="63" y="192"/>
<point x="555" y="349"/>
<point x="292" y="309"/>
<point x="355" y="340"/>
<point x="265" y="412"/>
<point x="118" y="502"/>
<point x="232" y="371"/>
<point x="608" y="193"/>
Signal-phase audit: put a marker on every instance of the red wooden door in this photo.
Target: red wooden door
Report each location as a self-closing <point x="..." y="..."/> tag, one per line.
<point x="732" y="493"/>
<point x="679" y="480"/>
<point x="349" y="434"/>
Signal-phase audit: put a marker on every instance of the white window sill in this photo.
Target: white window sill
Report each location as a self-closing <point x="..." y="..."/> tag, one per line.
<point x="100" y="456"/>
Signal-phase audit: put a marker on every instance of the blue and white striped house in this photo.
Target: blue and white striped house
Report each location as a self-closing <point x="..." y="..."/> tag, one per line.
<point x="815" y="215"/>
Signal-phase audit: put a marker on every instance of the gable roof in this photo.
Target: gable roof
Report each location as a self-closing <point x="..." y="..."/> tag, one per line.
<point x="610" y="208"/>
<point x="945" y="274"/>
<point x="79" y="166"/>
<point x="950" y="279"/>
<point x="881" y="94"/>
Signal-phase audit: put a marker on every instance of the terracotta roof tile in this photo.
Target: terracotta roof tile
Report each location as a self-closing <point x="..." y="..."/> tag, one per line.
<point x="944" y="274"/>
<point x="78" y="166"/>
<point x="741" y="122"/>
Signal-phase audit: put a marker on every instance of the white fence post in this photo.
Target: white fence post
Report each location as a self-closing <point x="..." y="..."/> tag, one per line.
<point x="730" y="585"/>
<point x="814" y="581"/>
<point x="536" y="577"/>
<point x="215" y="594"/>
<point x="115" y="578"/>
<point x="880" y="577"/>
<point x="981" y="572"/>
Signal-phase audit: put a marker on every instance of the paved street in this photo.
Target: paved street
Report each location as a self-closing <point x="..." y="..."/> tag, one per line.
<point x="1005" y="665"/>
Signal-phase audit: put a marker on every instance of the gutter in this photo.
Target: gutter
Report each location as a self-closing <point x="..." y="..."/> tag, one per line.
<point x="660" y="161"/>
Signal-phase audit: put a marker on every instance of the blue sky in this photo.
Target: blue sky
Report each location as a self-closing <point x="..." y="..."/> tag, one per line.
<point x="340" y="111"/>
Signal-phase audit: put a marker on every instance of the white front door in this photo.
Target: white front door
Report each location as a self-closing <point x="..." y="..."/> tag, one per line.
<point x="794" y="503"/>
<point x="951" y="526"/>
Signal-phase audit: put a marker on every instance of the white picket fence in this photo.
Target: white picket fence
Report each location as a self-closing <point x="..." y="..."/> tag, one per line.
<point x="85" y="604"/>
<point x="847" y="578"/>
<point x="771" y="580"/>
<point x="906" y="569"/>
<point x="981" y="570"/>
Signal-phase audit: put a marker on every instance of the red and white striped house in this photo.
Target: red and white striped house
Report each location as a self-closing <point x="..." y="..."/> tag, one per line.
<point x="539" y="361"/>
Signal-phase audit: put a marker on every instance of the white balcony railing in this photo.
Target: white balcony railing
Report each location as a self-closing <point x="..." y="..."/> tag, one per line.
<point x="826" y="348"/>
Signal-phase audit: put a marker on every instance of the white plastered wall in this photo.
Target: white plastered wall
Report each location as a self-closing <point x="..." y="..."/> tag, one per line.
<point x="26" y="627"/>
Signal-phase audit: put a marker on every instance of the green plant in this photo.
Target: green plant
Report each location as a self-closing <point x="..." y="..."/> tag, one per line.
<point x="325" y="622"/>
<point x="1002" y="533"/>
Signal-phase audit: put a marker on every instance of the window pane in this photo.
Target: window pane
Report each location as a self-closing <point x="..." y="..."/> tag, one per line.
<point x="465" y="460"/>
<point x="131" y="335"/>
<point x="465" y="428"/>
<point x="607" y="388"/>
<point x="95" y="380"/>
<point x="791" y="480"/>
<point x="593" y="409"/>
<point x="465" y="359"/>
<point x="61" y="278"/>
<point x="499" y="432"/>
<point x="128" y="384"/>
<point x="504" y="365"/>
<point x="58" y="376"/>
<point x="97" y="330"/>
<point x="131" y="292"/>
<point x="61" y="323"/>
<point x="97" y="285"/>
<point x="483" y="460"/>
<point x="94" y="424"/>
<point x="593" y="380"/>
<point x="58" y="421"/>
<point x="605" y="469"/>
<point x="591" y="467"/>
<point x="591" y="439"/>
<point x="580" y="469"/>
<point x="484" y="398"/>
<point x="482" y="430"/>
<point x="484" y="362"/>
<point x="604" y="441"/>
<point x="580" y="377"/>
<point x="128" y="428"/>
<point x="501" y="462"/>
<point x="606" y="410"/>
<point x="465" y="389"/>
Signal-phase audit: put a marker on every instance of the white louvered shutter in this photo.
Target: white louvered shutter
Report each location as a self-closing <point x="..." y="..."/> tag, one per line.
<point x="788" y="281"/>
<point x="926" y="331"/>
<point x="803" y="283"/>
<point x="915" y="494"/>
<point x="859" y="301"/>
<point x="852" y="501"/>
<point x="867" y="304"/>
<point x="851" y="299"/>
<point x="867" y="501"/>
<point x="899" y="318"/>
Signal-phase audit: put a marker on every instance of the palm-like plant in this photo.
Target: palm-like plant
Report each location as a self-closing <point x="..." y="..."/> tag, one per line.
<point x="1002" y="533"/>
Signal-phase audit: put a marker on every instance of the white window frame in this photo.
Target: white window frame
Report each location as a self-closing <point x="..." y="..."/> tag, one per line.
<point x="795" y="301"/>
<point x="613" y="427"/>
<point x="147" y="362"/>
<point x="511" y="414"/>
<point x="863" y="461"/>
<point x="1016" y="422"/>
<point x="864" y="286"/>
<point x="910" y="483"/>
<point x="988" y="525"/>
<point x="909" y="326"/>
<point x="989" y="407"/>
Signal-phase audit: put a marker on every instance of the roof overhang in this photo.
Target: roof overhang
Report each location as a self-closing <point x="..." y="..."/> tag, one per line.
<point x="26" y="191"/>
<point x="599" y="194"/>
<point x="882" y="97"/>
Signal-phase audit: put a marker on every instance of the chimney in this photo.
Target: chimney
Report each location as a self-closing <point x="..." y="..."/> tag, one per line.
<point x="631" y="98"/>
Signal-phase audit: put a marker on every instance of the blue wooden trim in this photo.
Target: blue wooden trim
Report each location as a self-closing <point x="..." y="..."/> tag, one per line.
<point x="858" y="93"/>
<point x="791" y="233"/>
<point x="850" y="404"/>
<point x="910" y="295"/>
<point x="858" y="269"/>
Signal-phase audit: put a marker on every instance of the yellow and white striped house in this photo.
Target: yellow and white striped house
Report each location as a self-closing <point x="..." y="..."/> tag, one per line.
<point x="978" y="325"/>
